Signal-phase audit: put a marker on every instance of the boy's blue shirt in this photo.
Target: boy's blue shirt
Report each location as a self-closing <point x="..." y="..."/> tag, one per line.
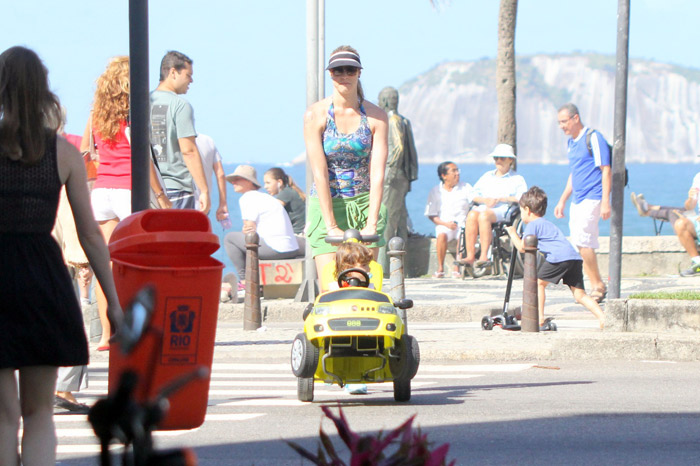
<point x="551" y="241"/>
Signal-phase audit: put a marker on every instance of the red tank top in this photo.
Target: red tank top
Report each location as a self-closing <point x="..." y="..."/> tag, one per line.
<point x="114" y="170"/>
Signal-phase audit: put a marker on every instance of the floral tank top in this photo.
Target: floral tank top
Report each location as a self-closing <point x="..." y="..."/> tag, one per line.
<point x="347" y="156"/>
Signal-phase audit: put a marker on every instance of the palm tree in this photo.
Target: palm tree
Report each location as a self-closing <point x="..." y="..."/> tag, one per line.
<point x="505" y="73"/>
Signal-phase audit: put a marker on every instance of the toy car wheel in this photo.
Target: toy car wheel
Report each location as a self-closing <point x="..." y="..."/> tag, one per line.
<point x="305" y="388"/>
<point x="406" y="365"/>
<point x="304" y="356"/>
<point x="487" y="323"/>
<point x="402" y="390"/>
<point x="553" y="326"/>
<point x="511" y="320"/>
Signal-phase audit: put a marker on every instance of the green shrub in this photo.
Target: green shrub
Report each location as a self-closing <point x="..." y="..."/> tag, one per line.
<point x="682" y="295"/>
<point x="412" y="446"/>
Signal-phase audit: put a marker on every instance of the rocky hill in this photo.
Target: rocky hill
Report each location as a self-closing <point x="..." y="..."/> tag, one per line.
<point x="452" y="108"/>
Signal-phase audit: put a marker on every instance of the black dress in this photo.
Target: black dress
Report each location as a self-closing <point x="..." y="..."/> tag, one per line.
<point x="40" y="316"/>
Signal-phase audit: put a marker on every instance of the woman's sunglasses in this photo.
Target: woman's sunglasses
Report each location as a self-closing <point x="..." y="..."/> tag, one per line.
<point x="347" y="70"/>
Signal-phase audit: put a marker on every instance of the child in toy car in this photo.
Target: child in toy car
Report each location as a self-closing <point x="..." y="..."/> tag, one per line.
<point x="353" y="334"/>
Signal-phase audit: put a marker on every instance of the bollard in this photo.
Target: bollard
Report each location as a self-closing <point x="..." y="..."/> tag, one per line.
<point x="397" y="289"/>
<point x="530" y="321"/>
<point x="252" y="317"/>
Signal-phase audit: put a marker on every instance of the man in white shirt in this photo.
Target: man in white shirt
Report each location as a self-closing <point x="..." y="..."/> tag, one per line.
<point x="212" y="164"/>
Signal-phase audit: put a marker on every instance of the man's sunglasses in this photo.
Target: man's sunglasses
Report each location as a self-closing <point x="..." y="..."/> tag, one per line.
<point x="347" y="70"/>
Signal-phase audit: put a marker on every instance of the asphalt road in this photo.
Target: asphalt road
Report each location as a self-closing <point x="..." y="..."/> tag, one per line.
<point x="606" y="412"/>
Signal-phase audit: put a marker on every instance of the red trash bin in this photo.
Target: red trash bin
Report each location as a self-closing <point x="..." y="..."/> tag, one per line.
<point x="170" y="249"/>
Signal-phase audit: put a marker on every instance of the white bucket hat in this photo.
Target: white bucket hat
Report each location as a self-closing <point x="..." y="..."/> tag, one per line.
<point x="503" y="150"/>
<point x="246" y="172"/>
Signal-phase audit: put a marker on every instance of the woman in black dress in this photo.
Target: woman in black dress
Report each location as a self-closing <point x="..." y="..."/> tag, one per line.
<point x="41" y="318"/>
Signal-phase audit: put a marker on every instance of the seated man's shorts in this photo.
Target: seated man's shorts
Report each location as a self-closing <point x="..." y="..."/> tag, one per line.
<point x="571" y="272"/>
<point x="451" y="234"/>
<point x="110" y="203"/>
<point x="696" y="224"/>
<point x="583" y="223"/>
<point x="499" y="210"/>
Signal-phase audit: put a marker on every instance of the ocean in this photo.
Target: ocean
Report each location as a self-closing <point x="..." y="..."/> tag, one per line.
<point x="662" y="184"/>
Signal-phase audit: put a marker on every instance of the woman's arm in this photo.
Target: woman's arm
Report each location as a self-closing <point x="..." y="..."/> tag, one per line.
<point x="379" y="125"/>
<point x="72" y="173"/>
<point x="314" y="124"/>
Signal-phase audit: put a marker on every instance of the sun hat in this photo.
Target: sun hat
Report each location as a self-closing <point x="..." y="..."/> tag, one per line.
<point x="503" y="150"/>
<point x="344" y="58"/>
<point x="246" y="172"/>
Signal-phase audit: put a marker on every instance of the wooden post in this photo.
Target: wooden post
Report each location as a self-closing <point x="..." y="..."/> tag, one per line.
<point x="530" y="321"/>
<point x="252" y="318"/>
<point x="397" y="289"/>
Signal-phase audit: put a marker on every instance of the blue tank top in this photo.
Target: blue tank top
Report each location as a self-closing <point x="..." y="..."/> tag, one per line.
<point x="347" y="156"/>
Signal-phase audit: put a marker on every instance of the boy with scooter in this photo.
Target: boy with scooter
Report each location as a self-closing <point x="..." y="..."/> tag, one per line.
<point x="562" y="262"/>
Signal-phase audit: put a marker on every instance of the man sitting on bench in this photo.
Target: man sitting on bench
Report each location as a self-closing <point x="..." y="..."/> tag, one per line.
<point x="687" y="228"/>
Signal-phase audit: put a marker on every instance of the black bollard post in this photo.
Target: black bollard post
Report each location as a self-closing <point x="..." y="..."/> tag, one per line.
<point x="530" y="321"/>
<point x="397" y="289"/>
<point x="252" y="317"/>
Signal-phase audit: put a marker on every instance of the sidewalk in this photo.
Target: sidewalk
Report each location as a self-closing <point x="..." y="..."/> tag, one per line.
<point x="446" y="322"/>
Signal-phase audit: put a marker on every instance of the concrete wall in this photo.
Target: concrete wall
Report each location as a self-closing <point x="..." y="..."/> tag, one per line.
<point x="653" y="315"/>
<point x="641" y="255"/>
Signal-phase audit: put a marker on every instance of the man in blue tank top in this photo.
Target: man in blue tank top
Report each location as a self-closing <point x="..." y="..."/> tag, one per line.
<point x="589" y="182"/>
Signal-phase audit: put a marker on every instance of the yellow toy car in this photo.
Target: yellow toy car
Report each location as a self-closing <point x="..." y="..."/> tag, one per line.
<point x="355" y="335"/>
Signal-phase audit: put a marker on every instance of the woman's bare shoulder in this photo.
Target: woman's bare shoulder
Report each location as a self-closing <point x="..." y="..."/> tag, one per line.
<point x="317" y="111"/>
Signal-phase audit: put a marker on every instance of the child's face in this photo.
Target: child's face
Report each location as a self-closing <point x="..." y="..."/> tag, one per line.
<point x="358" y="274"/>
<point x="525" y="214"/>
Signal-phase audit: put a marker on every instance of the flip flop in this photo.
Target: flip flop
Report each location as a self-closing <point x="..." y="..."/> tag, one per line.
<point x="599" y="295"/>
<point x="482" y="264"/>
<point x="439" y="275"/>
<point x="103" y="348"/>
<point x="78" y="408"/>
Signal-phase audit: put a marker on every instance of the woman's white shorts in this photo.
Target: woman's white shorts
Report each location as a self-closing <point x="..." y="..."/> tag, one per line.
<point x="110" y="203"/>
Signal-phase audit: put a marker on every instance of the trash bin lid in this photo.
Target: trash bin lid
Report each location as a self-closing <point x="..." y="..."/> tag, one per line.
<point x="167" y="232"/>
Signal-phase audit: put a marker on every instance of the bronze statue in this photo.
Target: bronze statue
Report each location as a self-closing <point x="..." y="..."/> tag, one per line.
<point x="401" y="169"/>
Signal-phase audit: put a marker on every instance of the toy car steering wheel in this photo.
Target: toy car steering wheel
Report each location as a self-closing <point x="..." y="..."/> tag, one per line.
<point x="354" y="281"/>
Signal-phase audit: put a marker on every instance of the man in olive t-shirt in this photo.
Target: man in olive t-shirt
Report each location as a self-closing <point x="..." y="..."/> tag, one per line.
<point x="173" y="135"/>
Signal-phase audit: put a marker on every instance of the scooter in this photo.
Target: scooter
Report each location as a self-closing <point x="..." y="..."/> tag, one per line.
<point x="505" y="321"/>
<point x="119" y="416"/>
<point x="510" y="322"/>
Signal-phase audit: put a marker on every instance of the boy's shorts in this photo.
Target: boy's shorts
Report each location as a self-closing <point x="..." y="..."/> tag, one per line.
<point x="583" y="223"/>
<point x="571" y="272"/>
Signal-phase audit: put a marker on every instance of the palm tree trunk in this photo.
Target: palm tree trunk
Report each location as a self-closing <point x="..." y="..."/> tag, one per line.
<point x="505" y="73"/>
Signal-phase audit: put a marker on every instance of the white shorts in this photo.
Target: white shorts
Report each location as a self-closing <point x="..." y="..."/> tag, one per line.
<point x="583" y="223"/>
<point x="451" y="234"/>
<point x="499" y="210"/>
<point x="110" y="203"/>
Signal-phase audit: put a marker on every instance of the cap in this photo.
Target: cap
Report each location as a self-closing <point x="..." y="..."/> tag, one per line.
<point x="246" y="172"/>
<point x="344" y="58"/>
<point x="503" y="150"/>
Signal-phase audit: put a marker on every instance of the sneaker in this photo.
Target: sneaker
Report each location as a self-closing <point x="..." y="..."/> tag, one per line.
<point x="356" y="388"/>
<point x="694" y="269"/>
<point x="640" y="203"/>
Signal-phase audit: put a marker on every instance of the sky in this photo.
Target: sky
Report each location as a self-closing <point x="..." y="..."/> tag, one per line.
<point x="249" y="90"/>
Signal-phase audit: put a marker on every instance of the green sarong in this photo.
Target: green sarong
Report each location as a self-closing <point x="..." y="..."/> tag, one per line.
<point x="349" y="212"/>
